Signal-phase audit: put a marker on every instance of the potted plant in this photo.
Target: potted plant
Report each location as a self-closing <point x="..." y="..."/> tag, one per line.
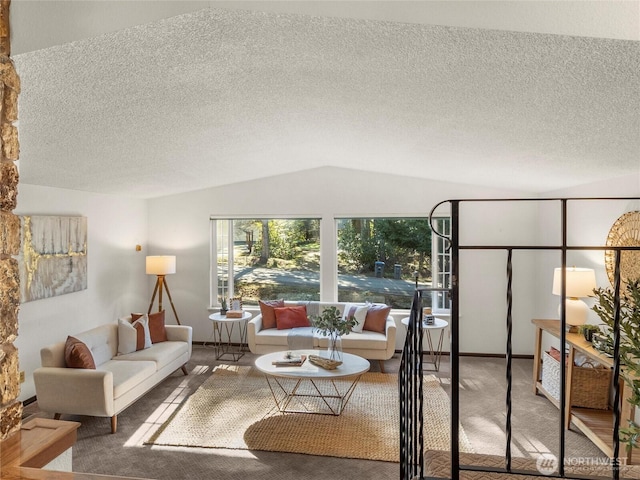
<point x="588" y="331"/>
<point x="629" y="344"/>
<point x="223" y="306"/>
<point x="331" y="324"/>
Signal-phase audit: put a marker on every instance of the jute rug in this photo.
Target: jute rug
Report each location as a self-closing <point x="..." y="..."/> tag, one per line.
<point x="234" y="408"/>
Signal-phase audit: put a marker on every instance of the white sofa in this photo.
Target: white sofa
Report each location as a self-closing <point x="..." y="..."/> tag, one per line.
<point x="117" y="381"/>
<point x="368" y="344"/>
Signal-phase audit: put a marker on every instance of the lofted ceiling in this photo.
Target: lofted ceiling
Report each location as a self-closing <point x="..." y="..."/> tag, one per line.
<point x="154" y="98"/>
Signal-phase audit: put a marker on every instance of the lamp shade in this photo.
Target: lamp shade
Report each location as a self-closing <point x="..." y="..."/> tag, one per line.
<point x="161" y="265"/>
<point x="580" y="282"/>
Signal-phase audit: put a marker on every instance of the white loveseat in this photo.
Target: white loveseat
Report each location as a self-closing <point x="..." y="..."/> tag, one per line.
<point x="368" y="344"/>
<point x="116" y="382"/>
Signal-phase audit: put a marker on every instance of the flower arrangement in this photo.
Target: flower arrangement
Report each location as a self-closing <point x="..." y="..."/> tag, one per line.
<point x="331" y="323"/>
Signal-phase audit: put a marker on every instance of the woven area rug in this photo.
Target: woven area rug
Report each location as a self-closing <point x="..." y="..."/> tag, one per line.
<point x="234" y="408"/>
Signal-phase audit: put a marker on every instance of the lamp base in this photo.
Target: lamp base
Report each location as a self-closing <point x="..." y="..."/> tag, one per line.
<point x="576" y="311"/>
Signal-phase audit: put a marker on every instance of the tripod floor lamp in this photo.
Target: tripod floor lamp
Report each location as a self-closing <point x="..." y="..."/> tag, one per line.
<point x="161" y="265"/>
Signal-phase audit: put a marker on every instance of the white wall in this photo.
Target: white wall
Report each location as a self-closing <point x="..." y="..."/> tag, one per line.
<point x="116" y="280"/>
<point x="179" y="225"/>
<point x="588" y="224"/>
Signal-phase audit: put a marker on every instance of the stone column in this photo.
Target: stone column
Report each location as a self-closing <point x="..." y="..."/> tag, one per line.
<point x="10" y="407"/>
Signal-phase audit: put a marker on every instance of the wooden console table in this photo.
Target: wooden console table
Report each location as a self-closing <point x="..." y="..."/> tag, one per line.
<point x="597" y="425"/>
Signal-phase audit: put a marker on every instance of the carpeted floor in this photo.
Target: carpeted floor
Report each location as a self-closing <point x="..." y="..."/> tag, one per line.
<point x="368" y="428"/>
<point x="482" y="415"/>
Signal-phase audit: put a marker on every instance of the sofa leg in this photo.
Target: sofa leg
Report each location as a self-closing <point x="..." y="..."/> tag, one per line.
<point x="184" y="369"/>
<point x="114" y="424"/>
<point x="381" y="362"/>
<point x="56" y="416"/>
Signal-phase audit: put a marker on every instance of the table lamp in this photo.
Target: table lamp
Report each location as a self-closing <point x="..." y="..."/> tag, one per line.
<point x="161" y="265"/>
<point x="580" y="282"/>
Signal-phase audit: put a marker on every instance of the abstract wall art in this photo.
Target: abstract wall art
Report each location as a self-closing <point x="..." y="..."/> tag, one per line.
<point x="53" y="256"/>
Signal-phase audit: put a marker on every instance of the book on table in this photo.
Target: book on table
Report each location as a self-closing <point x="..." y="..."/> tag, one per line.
<point x="290" y="361"/>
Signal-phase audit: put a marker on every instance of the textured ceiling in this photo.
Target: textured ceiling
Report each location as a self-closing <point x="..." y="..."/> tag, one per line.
<point x="222" y="96"/>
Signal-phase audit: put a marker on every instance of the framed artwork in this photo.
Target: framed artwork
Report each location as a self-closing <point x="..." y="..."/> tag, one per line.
<point x="53" y="256"/>
<point x="236" y="303"/>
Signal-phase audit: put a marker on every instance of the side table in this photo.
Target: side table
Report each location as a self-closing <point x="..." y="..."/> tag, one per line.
<point x="435" y="354"/>
<point x="223" y="328"/>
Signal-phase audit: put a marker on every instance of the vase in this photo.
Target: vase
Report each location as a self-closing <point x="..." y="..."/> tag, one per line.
<point x="334" y="349"/>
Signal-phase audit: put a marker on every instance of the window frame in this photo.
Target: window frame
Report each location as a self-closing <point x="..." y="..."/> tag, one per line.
<point x="324" y="244"/>
<point x="214" y="302"/>
<point x="437" y="244"/>
<point x="434" y="248"/>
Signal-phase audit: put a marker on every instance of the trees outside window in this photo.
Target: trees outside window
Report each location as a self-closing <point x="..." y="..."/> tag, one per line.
<point x="378" y="259"/>
<point x="265" y="258"/>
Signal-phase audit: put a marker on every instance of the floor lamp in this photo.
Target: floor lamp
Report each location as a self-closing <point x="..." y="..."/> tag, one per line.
<point x="161" y="265"/>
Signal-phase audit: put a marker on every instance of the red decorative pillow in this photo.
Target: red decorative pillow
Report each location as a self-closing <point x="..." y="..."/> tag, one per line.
<point x="77" y="354"/>
<point x="291" y="317"/>
<point x="555" y="353"/>
<point x="156" y="326"/>
<point x="268" y="315"/>
<point x="376" y="319"/>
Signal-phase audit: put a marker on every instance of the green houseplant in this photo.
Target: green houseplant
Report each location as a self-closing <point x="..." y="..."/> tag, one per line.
<point x="588" y="331"/>
<point x="223" y="306"/>
<point x="629" y="344"/>
<point x="331" y="324"/>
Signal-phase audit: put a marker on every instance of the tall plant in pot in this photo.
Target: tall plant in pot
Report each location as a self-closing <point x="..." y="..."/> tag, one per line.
<point x="629" y="345"/>
<point x="331" y="323"/>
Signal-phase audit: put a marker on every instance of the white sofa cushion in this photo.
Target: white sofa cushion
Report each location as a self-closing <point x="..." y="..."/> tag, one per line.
<point x="161" y="354"/>
<point x="356" y="341"/>
<point x="127" y="374"/>
<point x="127" y="337"/>
<point x="273" y="336"/>
<point x="102" y="341"/>
<point x="359" y="312"/>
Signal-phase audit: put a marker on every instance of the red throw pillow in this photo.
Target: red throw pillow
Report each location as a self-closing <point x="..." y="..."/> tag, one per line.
<point x="555" y="353"/>
<point x="268" y="315"/>
<point x="291" y="317"/>
<point x="376" y="319"/>
<point x="77" y="354"/>
<point x="156" y="326"/>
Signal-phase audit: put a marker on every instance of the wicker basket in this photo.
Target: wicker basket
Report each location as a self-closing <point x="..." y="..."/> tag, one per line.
<point x="589" y="386"/>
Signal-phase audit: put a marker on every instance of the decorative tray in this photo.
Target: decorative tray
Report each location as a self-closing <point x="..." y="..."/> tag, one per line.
<point x="323" y="362"/>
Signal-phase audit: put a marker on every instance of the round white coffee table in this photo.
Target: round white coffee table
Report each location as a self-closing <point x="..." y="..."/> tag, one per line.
<point x="435" y="354"/>
<point x="223" y="329"/>
<point x="327" y="391"/>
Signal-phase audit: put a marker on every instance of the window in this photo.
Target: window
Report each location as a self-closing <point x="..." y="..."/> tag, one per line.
<point x="442" y="264"/>
<point x="378" y="260"/>
<point x="265" y="258"/>
<point x="383" y="259"/>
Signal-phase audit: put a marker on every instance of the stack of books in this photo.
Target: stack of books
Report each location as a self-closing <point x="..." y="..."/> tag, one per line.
<point x="289" y="360"/>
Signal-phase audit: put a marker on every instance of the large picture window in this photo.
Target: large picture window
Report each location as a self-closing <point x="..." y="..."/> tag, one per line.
<point x="260" y="258"/>
<point x="379" y="260"/>
<point x="383" y="259"/>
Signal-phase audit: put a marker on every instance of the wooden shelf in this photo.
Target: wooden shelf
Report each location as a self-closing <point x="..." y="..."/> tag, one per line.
<point x="596" y="424"/>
